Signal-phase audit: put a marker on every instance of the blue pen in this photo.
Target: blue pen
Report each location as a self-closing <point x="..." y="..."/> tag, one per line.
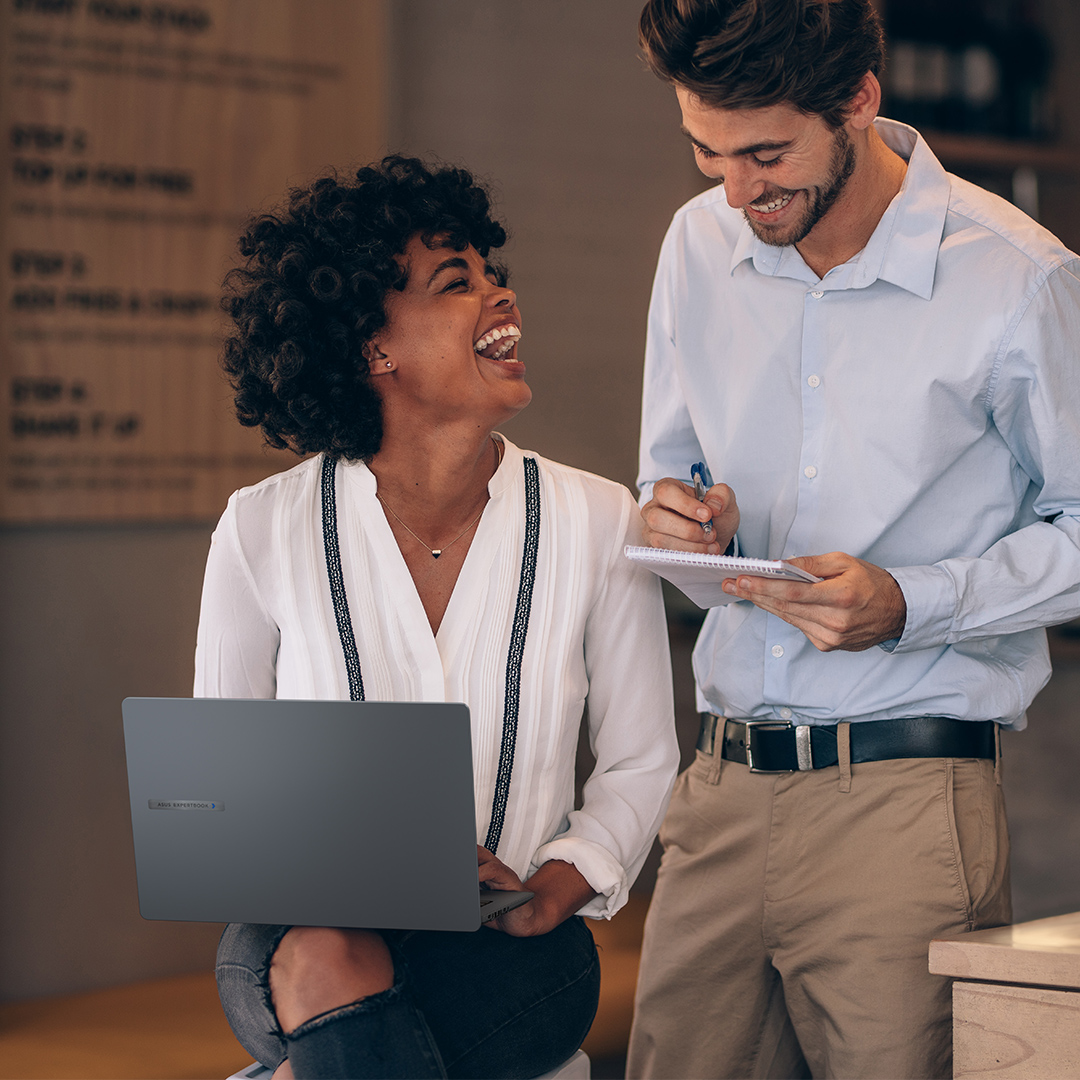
<point x="699" y="473"/>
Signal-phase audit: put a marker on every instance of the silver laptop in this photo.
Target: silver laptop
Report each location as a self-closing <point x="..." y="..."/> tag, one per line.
<point x="312" y="813"/>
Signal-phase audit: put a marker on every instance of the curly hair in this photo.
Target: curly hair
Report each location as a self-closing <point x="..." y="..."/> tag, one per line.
<point x="310" y="296"/>
<point x="746" y="54"/>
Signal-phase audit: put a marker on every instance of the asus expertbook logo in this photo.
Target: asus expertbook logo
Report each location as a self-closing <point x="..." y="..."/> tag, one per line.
<point x="184" y="804"/>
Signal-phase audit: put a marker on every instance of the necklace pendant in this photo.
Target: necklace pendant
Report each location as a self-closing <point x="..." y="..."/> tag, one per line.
<point x="435" y="554"/>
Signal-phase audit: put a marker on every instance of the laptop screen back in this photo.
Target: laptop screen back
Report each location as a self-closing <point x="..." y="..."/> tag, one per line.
<point x="324" y="813"/>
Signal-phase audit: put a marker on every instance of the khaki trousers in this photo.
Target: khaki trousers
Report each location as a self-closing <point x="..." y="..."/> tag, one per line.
<point x="788" y="932"/>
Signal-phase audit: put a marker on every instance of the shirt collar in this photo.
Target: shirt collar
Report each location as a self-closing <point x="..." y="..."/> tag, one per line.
<point x="509" y="470"/>
<point x="902" y="250"/>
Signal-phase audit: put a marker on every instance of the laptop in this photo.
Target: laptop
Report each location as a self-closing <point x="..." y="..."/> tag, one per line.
<point x="311" y="813"/>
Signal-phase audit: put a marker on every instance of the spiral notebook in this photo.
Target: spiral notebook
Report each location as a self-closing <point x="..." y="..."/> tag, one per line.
<point x="701" y="577"/>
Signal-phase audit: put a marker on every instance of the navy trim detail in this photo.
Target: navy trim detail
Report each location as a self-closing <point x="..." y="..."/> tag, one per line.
<point x="337" y="581"/>
<point x="518" y="633"/>
<point x="517" y="651"/>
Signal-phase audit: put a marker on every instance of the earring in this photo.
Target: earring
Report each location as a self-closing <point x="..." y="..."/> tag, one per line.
<point x="389" y="364"/>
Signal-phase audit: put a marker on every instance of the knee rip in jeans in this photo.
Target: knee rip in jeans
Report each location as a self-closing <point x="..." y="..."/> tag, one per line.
<point x="371" y="1003"/>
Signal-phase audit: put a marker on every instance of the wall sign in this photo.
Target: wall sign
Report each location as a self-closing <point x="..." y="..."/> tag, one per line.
<point x="137" y="137"/>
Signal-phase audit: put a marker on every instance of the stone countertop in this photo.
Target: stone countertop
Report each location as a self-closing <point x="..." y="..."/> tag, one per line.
<point x="1044" y="952"/>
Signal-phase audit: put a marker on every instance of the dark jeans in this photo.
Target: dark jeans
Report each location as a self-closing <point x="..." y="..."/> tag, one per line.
<point x="463" y="1005"/>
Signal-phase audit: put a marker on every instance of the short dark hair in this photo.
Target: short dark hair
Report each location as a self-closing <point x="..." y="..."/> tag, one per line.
<point x="310" y="296"/>
<point x="746" y="54"/>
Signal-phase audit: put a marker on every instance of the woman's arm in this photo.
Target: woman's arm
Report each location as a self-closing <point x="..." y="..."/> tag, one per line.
<point x="631" y="720"/>
<point x="237" y="642"/>
<point x="559" y="887"/>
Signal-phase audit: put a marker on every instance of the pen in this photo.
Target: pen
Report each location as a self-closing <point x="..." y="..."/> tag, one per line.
<point x="699" y="472"/>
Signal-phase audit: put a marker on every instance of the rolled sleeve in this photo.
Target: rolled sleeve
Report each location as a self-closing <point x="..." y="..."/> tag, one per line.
<point x="631" y="729"/>
<point x="597" y="866"/>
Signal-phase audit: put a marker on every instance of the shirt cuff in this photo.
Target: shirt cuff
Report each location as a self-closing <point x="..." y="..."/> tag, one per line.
<point x="596" y="865"/>
<point x="930" y="595"/>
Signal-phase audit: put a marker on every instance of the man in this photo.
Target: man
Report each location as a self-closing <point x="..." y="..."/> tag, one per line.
<point x="877" y="361"/>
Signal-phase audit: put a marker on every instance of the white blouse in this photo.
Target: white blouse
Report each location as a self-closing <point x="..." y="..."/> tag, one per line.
<point x="596" y="637"/>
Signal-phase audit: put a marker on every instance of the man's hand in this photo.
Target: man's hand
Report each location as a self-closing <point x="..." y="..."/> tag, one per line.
<point x="674" y="518"/>
<point x="857" y="606"/>
<point x="559" y="887"/>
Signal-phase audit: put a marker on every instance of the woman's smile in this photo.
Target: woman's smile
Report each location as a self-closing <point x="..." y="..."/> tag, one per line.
<point x="497" y="344"/>
<point x="451" y="320"/>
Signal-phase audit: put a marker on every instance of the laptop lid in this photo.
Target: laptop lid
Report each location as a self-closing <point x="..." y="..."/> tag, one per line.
<point x="319" y="813"/>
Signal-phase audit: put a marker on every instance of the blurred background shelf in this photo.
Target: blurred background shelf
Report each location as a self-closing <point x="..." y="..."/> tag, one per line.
<point x="957" y="150"/>
<point x="988" y="84"/>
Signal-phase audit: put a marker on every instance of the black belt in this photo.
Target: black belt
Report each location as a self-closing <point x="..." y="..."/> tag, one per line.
<point x="777" y="746"/>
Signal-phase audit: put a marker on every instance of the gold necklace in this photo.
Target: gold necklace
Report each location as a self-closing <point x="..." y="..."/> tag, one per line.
<point x="436" y="552"/>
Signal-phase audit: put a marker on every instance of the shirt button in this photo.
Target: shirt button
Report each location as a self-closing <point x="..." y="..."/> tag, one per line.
<point x="809" y="472"/>
<point x="778" y="651"/>
<point x="817" y="294"/>
<point x="814" y="381"/>
<point x="785" y="714"/>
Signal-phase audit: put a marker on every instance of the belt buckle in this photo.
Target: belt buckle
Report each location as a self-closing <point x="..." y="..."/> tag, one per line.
<point x="803" y="753"/>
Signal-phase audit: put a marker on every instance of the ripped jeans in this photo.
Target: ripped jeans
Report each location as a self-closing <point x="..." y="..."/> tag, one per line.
<point x="481" y="1004"/>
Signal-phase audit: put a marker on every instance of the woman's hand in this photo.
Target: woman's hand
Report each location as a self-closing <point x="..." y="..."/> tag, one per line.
<point x="559" y="887"/>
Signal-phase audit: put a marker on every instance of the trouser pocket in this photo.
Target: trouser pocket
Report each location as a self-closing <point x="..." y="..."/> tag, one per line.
<point x="980" y="840"/>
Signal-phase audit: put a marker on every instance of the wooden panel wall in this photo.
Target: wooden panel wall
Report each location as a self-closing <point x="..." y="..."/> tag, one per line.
<point x="137" y="138"/>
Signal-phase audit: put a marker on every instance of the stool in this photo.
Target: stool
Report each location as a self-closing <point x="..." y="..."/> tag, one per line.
<point x="574" y="1068"/>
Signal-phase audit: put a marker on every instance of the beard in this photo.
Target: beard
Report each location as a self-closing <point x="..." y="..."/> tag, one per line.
<point x="819" y="199"/>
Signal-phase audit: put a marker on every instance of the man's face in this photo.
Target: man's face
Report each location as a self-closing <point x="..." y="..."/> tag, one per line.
<point x="785" y="170"/>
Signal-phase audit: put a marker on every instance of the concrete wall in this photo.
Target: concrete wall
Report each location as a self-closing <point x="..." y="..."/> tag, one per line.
<point x="90" y="616"/>
<point x="549" y="100"/>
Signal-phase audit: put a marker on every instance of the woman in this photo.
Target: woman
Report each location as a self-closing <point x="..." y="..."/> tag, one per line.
<point x="420" y="556"/>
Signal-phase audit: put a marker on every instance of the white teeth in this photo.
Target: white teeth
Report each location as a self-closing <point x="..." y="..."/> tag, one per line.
<point x="774" y="205"/>
<point x="496" y="335"/>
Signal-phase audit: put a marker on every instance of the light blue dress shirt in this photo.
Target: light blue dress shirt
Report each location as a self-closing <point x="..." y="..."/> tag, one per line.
<point x="918" y="407"/>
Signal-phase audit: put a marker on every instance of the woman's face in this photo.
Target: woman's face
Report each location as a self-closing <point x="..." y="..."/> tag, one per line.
<point x="449" y="347"/>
